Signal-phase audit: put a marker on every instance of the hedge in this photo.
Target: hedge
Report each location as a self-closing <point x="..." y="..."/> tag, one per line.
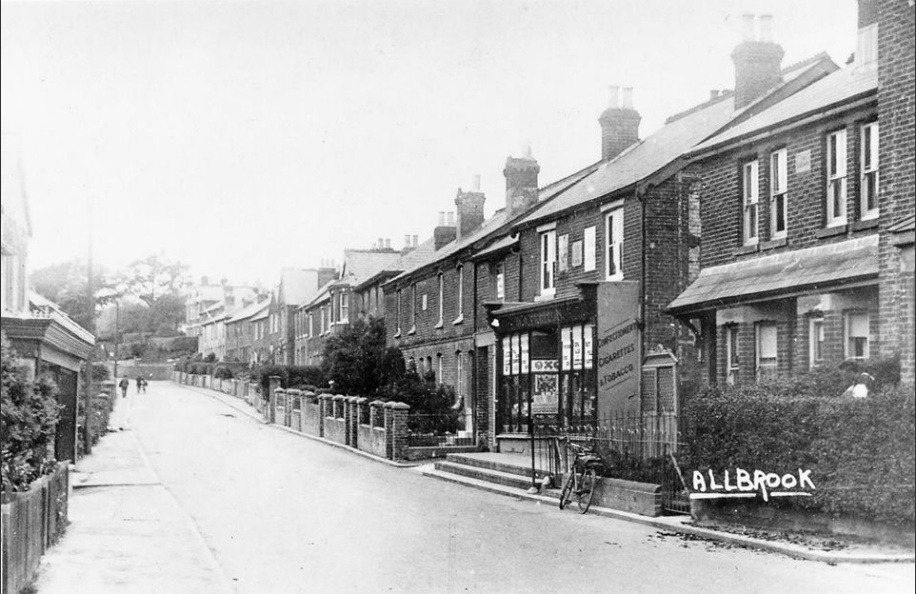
<point x="860" y="451"/>
<point x="291" y="376"/>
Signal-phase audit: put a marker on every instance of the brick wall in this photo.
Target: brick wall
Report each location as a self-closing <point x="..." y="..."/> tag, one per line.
<point x="896" y="91"/>
<point x="721" y="207"/>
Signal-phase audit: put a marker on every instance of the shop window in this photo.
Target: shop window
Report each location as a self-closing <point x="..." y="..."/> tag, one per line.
<point x="750" y="197"/>
<point x="778" y="194"/>
<point x="857" y="334"/>
<point x="869" y="175"/>
<point x="836" y="178"/>
<point x="767" y="351"/>
<point x="816" y="340"/>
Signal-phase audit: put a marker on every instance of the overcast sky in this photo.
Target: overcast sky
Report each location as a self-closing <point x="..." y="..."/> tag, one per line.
<point x="241" y="137"/>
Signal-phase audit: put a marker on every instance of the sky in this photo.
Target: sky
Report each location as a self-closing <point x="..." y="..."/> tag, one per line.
<point x="242" y="137"/>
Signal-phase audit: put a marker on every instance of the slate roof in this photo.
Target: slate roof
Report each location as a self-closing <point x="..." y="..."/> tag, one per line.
<point x="249" y="311"/>
<point x="644" y="158"/>
<point x="422" y="253"/>
<point x="497" y="246"/>
<point x="499" y="221"/>
<point x="362" y="264"/>
<point x="821" y="265"/>
<point x="836" y="88"/>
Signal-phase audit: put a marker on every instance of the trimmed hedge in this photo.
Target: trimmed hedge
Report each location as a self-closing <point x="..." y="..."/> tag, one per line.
<point x="291" y="376"/>
<point x="861" y="452"/>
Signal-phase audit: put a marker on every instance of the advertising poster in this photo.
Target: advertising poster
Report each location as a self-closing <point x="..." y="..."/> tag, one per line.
<point x="619" y="348"/>
<point x="577" y="347"/>
<point x="545" y="399"/>
<point x="524" y="353"/>
<point x="507" y="357"/>
<point x="516" y="355"/>
<point x="566" y="349"/>
<point x="587" y="346"/>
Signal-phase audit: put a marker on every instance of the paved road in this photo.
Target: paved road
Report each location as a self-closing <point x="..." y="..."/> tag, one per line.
<point x="282" y="513"/>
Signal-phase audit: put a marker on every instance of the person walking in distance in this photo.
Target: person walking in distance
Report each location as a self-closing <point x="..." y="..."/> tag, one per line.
<point x="124" y="384"/>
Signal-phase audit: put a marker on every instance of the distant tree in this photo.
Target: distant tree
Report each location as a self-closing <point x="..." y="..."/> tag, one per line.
<point x="154" y="277"/>
<point x="357" y="360"/>
<point x="66" y="285"/>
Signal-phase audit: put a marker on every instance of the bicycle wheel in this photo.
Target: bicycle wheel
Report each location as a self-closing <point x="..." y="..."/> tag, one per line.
<point x="586" y="490"/>
<point x="566" y="492"/>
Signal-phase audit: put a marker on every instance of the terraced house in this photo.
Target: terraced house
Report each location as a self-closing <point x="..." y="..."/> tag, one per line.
<point x="798" y="208"/>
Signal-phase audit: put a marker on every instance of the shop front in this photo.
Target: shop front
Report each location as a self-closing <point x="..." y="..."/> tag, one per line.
<point x="562" y="362"/>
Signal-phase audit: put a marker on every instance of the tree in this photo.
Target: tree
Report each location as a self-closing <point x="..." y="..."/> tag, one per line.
<point x="155" y="276"/>
<point x="358" y="362"/>
<point x="66" y="285"/>
<point x="28" y="422"/>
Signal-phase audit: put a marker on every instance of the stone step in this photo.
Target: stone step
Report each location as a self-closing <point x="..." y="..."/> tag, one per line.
<point x="519" y="469"/>
<point x="489" y="475"/>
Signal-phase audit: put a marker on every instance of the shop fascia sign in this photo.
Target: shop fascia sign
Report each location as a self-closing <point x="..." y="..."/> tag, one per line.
<point x="748" y="484"/>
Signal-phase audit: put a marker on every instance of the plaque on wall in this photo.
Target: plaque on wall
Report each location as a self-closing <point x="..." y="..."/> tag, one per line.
<point x="576" y="252"/>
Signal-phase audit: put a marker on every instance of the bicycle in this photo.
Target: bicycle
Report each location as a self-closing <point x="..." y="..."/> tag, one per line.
<point x="583" y="477"/>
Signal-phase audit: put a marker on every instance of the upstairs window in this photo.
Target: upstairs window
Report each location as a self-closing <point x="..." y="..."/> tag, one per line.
<point x="311" y="324"/>
<point x="869" y="182"/>
<point x="500" y="282"/>
<point x="548" y="261"/>
<point x="778" y="203"/>
<point x="413" y="306"/>
<point x="817" y="337"/>
<point x="750" y="197"/>
<point x="614" y="237"/>
<point x="836" y="178"/>
<point x="397" y="313"/>
<point x="441" y="283"/>
<point x="344" y="307"/>
<point x="460" y="291"/>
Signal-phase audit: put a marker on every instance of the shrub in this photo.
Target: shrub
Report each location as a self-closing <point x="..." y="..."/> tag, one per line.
<point x="357" y="360"/>
<point x="223" y="372"/>
<point x="860" y="451"/>
<point x="100" y="372"/>
<point x="432" y="406"/>
<point x="291" y="376"/>
<point x="28" y="422"/>
<point x="210" y="358"/>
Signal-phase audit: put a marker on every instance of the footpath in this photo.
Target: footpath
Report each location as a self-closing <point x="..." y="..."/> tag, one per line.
<point x="127" y="533"/>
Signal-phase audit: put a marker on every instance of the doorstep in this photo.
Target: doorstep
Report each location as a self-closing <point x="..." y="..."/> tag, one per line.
<point x="678" y="524"/>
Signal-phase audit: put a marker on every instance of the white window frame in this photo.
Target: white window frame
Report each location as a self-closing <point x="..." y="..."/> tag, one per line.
<point x="817" y="333"/>
<point x="413" y="306"/>
<point x="766" y="363"/>
<point x="869" y="177"/>
<point x="311" y="324"/>
<point x="836" y="178"/>
<point x="613" y="242"/>
<point x="750" y="202"/>
<point x="441" y="281"/>
<point x="548" y="260"/>
<point x="344" y="307"/>
<point x="500" y="281"/>
<point x="459" y="380"/>
<point x="732" y="363"/>
<point x="847" y="324"/>
<point x="397" y="312"/>
<point x="779" y="196"/>
<point x="459" y="270"/>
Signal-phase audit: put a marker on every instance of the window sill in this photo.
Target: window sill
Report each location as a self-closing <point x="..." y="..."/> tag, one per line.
<point x="773" y="244"/>
<point x="752" y="248"/>
<point x="397" y="334"/>
<point x="545" y="296"/>
<point x="412" y="331"/>
<point x="830" y="231"/>
<point x="458" y="320"/>
<point x="439" y="325"/>
<point x="864" y="224"/>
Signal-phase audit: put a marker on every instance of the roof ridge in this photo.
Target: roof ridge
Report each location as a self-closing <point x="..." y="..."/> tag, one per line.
<point x="806" y="61"/>
<point x="725" y="94"/>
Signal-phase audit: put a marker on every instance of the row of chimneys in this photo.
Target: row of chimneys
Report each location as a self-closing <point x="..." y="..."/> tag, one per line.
<point x="758" y="68"/>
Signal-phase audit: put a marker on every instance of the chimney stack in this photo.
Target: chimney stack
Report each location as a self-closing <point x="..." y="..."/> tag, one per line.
<point x="619" y="123"/>
<point x="444" y="233"/>
<point x="415" y="241"/>
<point x="757" y="60"/>
<point x="470" y="209"/>
<point x="521" y="183"/>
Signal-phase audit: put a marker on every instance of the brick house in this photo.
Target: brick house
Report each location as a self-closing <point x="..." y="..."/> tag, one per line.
<point x="240" y="332"/>
<point x="433" y="309"/>
<point x="333" y="306"/>
<point x="260" y="349"/>
<point x="296" y="287"/>
<point x="795" y="206"/>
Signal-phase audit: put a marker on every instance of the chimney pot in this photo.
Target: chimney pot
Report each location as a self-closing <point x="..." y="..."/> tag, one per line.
<point x="765" y="22"/>
<point x="475" y="183"/>
<point x="407" y="241"/>
<point x="415" y="241"/>
<point x="613" y="97"/>
<point x="450" y="218"/>
<point x="628" y="97"/>
<point x="388" y="243"/>
<point x="747" y="27"/>
<point x="441" y="218"/>
<point x="713" y="94"/>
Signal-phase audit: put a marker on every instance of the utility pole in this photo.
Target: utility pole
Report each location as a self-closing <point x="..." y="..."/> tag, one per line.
<point x="90" y="362"/>
<point x="117" y="334"/>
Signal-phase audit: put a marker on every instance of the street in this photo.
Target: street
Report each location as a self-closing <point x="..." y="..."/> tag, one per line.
<point x="283" y="513"/>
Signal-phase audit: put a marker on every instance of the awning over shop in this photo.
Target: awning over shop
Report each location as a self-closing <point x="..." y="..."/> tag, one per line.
<point x="786" y="273"/>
